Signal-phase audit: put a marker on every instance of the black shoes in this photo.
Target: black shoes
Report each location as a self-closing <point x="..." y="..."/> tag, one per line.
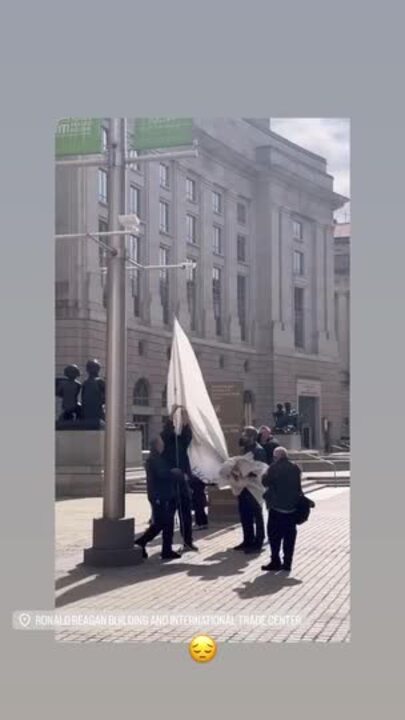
<point x="272" y="566"/>
<point x="253" y="550"/>
<point x="190" y="548"/>
<point x="241" y="546"/>
<point x="171" y="556"/>
<point x="144" y="553"/>
<point x="249" y="549"/>
<point x="286" y="568"/>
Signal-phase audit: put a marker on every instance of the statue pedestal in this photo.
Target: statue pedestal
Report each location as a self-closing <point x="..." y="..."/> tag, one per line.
<point x="222" y="506"/>
<point x="79" y="460"/>
<point x="290" y="442"/>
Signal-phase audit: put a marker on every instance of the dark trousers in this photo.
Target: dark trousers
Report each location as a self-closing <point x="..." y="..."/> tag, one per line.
<point x="163" y="521"/>
<point x="199" y="501"/>
<point x="251" y="517"/>
<point x="186" y="522"/>
<point x="281" y="528"/>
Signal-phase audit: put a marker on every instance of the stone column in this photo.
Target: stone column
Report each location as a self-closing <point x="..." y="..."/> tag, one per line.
<point x="152" y="305"/>
<point x="71" y="217"/>
<point x="230" y="271"/>
<point x="318" y="279"/>
<point x="206" y="263"/>
<point x="178" y="278"/>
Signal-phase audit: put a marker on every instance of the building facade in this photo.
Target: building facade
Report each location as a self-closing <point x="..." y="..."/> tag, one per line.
<point x="342" y="234"/>
<point x="256" y="214"/>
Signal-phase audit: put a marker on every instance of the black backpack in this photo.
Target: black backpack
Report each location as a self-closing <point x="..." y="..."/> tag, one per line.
<point x="303" y="509"/>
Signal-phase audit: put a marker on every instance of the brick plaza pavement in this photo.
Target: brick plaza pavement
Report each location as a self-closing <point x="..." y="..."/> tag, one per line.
<point x="217" y="580"/>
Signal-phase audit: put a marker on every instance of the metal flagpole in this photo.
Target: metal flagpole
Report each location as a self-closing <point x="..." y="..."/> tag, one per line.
<point x="114" y="478"/>
<point x="113" y="534"/>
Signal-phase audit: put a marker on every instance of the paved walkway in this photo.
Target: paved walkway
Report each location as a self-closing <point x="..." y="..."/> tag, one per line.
<point x="311" y="604"/>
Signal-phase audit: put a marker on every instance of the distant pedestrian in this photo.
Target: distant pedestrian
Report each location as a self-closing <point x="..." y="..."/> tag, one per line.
<point x="283" y="495"/>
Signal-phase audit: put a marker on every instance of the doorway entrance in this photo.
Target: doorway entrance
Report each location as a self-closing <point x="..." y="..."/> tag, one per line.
<point x="308" y="408"/>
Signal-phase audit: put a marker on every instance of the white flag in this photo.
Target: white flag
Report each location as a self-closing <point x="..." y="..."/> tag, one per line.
<point x="186" y="387"/>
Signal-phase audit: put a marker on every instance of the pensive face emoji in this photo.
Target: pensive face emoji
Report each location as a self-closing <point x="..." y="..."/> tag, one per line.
<point x="202" y="648"/>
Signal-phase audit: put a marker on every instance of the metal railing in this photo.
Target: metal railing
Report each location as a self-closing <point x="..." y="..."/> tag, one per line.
<point x="321" y="458"/>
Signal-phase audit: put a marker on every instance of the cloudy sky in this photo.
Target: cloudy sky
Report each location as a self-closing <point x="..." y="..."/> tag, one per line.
<point x="328" y="137"/>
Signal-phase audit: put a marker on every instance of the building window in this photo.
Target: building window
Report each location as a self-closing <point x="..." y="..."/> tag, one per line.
<point x="191" y="229"/>
<point x="134" y="165"/>
<point x="248" y="406"/>
<point x="217" y="202"/>
<point x="297" y="230"/>
<point x="191" y="190"/>
<point x="102" y="251"/>
<point x="337" y="316"/>
<point x="133" y="250"/>
<point x="299" y="317"/>
<point x="141" y="347"/>
<point x="164" y="216"/>
<point x="241" y="248"/>
<point x="164" y="284"/>
<point x="241" y="213"/>
<point x="222" y="361"/>
<point x="192" y="294"/>
<point x="103" y="258"/>
<point x="164" y="397"/>
<point x="342" y="264"/>
<point x="104" y="139"/>
<point x="134" y="200"/>
<point x="102" y="186"/>
<point x="298" y="263"/>
<point x="164" y="176"/>
<point x="217" y="240"/>
<point x="217" y="299"/>
<point x="241" y="295"/>
<point x="246" y="366"/>
<point x="141" y="393"/>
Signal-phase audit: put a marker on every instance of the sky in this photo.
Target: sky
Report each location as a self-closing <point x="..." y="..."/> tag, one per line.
<point x="329" y="137"/>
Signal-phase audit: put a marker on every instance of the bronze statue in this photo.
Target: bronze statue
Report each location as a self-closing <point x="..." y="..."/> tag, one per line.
<point x="89" y="413"/>
<point x="287" y="419"/>
<point x="278" y="416"/>
<point x="93" y="393"/>
<point x="68" y="388"/>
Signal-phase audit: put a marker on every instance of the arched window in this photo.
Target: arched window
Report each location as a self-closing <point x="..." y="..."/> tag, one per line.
<point x="141" y="393"/>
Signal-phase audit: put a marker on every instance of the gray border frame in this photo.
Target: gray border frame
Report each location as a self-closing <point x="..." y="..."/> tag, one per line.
<point x="309" y="59"/>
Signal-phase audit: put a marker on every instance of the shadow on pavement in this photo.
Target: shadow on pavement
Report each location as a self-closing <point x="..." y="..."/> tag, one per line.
<point x="266" y="584"/>
<point x="100" y="581"/>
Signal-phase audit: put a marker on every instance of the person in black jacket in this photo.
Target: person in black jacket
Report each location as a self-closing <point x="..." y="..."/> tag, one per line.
<point x="267" y="441"/>
<point x="251" y="513"/>
<point x="176" y="454"/>
<point x="161" y="483"/>
<point x="283" y="483"/>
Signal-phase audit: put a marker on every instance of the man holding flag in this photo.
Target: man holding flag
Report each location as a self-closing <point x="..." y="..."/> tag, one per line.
<point x="176" y="455"/>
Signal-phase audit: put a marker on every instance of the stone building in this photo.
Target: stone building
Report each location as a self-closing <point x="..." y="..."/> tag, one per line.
<point x="255" y="212"/>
